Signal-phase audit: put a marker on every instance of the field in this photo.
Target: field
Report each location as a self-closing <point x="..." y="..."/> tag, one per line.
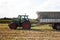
<point x="41" y="32"/>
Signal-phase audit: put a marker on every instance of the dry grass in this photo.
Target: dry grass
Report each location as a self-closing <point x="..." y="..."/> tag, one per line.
<point x="4" y="26"/>
<point x="6" y="34"/>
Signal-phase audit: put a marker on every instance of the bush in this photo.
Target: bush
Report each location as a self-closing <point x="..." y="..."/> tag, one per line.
<point x="5" y="21"/>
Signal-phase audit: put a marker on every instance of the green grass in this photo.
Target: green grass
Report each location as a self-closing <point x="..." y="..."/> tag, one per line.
<point x="5" y="21"/>
<point x="42" y="27"/>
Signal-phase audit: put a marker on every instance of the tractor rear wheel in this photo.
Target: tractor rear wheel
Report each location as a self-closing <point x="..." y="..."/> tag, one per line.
<point x="26" y="25"/>
<point x="12" y="25"/>
<point x="56" y="26"/>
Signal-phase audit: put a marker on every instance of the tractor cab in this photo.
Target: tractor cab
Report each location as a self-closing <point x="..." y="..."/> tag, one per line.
<point x="23" y="18"/>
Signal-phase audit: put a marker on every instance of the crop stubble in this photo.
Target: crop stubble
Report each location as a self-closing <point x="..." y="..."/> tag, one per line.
<point x="8" y="34"/>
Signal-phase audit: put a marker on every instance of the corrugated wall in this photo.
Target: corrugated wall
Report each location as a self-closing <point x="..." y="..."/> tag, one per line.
<point x="49" y="17"/>
<point x="48" y="14"/>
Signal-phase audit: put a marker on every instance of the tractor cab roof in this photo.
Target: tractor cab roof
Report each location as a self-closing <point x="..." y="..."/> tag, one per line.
<point x="19" y="16"/>
<point x="22" y="15"/>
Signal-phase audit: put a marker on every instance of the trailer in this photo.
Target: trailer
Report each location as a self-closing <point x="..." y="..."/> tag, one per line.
<point x="50" y="18"/>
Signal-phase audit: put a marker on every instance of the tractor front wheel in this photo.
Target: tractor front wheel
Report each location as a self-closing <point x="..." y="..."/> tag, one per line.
<point x="26" y="25"/>
<point x="12" y="25"/>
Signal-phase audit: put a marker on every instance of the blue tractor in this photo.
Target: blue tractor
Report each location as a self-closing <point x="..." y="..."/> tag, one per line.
<point x="21" y="21"/>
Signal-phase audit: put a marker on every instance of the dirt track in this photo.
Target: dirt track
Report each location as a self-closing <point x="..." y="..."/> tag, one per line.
<point x="7" y="34"/>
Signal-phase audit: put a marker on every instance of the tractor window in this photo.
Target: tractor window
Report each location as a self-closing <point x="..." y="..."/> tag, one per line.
<point x="26" y="17"/>
<point x="22" y="16"/>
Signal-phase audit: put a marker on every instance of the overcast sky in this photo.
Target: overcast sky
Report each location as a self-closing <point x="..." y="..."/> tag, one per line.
<point x="13" y="8"/>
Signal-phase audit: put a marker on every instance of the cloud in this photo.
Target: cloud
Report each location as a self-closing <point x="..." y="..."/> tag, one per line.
<point x="51" y="5"/>
<point x="13" y="8"/>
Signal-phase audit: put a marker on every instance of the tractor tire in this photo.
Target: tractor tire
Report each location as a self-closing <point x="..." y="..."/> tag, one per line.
<point x="56" y="26"/>
<point x="26" y="25"/>
<point x="53" y="26"/>
<point x="12" y="25"/>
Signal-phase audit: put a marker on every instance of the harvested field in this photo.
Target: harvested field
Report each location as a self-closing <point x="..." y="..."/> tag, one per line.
<point x="36" y="33"/>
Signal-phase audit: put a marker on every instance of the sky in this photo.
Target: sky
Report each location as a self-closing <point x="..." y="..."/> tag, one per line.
<point x="13" y="8"/>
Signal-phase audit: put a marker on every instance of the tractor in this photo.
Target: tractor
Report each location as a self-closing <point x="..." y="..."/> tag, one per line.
<point x="21" y="21"/>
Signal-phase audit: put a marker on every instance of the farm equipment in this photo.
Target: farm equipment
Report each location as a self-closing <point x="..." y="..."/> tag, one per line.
<point x="50" y="18"/>
<point x="21" y="21"/>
